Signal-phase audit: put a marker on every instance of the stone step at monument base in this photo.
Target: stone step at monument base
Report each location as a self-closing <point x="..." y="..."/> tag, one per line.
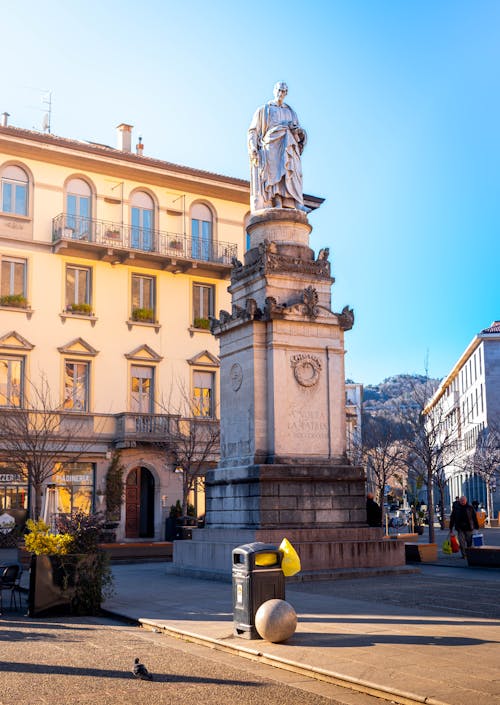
<point x="209" y="553"/>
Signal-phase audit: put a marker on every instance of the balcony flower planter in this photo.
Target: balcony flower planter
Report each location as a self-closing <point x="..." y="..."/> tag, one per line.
<point x="143" y="314"/>
<point x="14" y="301"/>
<point x="82" y="309"/>
<point x="175" y="244"/>
<point x="113" y="234"/>
<point x="201" y="323"/>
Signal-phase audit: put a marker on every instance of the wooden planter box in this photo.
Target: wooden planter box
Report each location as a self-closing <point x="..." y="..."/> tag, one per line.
<point x="421" y="552"/>
<point x="60" y="584"/>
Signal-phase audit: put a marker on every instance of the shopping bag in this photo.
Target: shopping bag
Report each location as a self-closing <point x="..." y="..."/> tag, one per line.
<point x="290" y="563"/>
<point x="447" y="546"/>
<point x="455" y="546"/>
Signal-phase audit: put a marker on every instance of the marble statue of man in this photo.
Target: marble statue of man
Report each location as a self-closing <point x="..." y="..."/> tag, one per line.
<point x="275" y="144"/>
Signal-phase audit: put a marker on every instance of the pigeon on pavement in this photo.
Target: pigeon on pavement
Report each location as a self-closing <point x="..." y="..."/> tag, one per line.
<point x="140" y="671"/>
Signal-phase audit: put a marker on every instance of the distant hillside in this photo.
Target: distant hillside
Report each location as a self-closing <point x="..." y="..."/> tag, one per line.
<point x="384" y="402"/>
<point x="381" y="397"/>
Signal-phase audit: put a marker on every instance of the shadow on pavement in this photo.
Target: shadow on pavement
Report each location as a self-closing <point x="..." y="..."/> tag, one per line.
<point x="46" y="669"/>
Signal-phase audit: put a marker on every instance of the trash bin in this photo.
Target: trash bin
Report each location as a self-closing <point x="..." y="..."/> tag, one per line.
<point x="257" y="577"/>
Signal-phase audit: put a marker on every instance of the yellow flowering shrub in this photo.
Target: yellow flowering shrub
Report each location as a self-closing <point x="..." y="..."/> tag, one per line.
<point x="41" y="540"/>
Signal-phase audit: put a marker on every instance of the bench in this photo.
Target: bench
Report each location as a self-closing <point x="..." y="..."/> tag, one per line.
<point x="421" y="552"/>
<point x="488" y="556"/>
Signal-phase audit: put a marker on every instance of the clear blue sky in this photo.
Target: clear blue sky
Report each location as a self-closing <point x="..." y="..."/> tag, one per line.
<point x="401" y="102"/>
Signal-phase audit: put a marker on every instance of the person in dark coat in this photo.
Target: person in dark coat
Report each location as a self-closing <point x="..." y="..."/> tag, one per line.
<point x="373" y="511"/>
<point x="463" y="518"/>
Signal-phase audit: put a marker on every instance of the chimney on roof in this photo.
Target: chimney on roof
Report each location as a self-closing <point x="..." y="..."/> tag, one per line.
<point x="139" y="148"/>
<point x="124" y="137"/>
<point x="5" y="119"/>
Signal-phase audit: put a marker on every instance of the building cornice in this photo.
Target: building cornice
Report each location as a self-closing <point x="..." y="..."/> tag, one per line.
<point x="103" y="159"/>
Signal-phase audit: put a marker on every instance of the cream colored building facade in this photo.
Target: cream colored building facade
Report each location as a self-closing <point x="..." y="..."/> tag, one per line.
<point x="111" y="264"/>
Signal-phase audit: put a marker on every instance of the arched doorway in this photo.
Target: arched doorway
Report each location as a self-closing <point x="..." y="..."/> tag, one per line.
<point x="139" y="504"/>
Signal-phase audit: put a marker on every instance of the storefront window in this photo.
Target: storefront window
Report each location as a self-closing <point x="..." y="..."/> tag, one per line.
<point x="13" y="489"/>
<point x="71" y="489"/>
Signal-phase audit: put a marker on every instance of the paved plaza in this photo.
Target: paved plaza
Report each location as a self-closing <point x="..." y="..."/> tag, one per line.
<point x="431" y="636"/>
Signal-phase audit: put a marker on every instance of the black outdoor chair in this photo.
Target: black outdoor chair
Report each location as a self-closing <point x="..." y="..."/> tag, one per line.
<point x="10" y="579"/>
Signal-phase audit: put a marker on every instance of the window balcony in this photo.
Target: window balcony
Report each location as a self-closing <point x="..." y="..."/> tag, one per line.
<point x="127" y="244"/>
<point x="132" y="428"/>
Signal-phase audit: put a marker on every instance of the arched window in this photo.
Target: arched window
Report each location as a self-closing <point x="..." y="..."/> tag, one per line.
<point x="15" y="184"/>
<point x="78" y="208"/>
<point x="201" y="231"/>
<point x="142" y="219"/>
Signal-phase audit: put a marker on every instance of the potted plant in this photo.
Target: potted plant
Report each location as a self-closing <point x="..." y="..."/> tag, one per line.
<point x="69" y="574"/>
<point x="143" y="314"/>
<point x="113" y="233"/>
<point x="83" y="309"/>
<point x="175" y="244"/>
<point x="202" y="323"/>
<point x="14" y="300"/>
<point x="418" y="520"/>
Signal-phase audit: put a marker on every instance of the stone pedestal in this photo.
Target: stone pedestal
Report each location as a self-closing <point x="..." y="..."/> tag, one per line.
<point x="283" y="470"/>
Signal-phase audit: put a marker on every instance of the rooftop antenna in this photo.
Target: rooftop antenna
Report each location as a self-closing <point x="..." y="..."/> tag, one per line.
<point x="47" y="100"/>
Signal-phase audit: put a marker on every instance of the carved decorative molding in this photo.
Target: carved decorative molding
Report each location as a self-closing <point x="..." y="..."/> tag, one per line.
<point x="346" y="318"/>
<point x="306" y="369"/>
<point x="265" y="259"/>
<point x="236" y="376"/>
<point x="272" y="310"/>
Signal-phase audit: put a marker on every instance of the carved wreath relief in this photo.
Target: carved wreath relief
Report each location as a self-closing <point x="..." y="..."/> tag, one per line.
<point x="236" y="376"/>
<point x="306" y="369"/>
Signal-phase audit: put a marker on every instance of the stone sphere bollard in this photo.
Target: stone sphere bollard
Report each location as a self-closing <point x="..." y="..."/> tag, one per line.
<point x="275" y="620"/>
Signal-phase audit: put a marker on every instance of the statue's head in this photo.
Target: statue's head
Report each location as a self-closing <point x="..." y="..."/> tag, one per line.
<point x="280" y="90"/>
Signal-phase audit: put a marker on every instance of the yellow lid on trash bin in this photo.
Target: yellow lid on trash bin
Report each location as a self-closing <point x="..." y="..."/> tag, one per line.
<point x="263" y="559"/>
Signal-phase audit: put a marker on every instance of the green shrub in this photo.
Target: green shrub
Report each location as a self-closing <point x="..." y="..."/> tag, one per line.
<point x="85" y="530"/>
<point x="114" y="488"/>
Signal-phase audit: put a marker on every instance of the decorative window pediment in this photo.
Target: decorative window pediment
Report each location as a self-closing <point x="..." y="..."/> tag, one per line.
<point x="14" y="341"/>
<point x="78" y="346"/>
<point x="204" y="359"/>
<point x="144" y="354"/>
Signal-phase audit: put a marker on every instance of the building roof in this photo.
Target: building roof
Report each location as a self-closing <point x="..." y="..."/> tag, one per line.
<point x="494" y="328"/>
<point x="100" y="150"/>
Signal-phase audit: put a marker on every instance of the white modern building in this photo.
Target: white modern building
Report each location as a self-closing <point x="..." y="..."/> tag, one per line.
<point x="468" y="399"/>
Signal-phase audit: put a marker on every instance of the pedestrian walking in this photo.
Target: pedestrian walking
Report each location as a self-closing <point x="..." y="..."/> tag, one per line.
<point x="463" y="518"/>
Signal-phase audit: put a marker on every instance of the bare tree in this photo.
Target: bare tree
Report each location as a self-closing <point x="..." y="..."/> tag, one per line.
<point x="195" y="447"/>
<point x="193" y="440"/>
<point x="432" y="443"/>
<point x="382" y="455"/>
<point x="485" y="461"/>
<point x="39" y="435"/>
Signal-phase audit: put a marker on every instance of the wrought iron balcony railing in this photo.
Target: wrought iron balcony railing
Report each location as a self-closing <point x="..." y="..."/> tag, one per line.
<point x="66" y="227"/>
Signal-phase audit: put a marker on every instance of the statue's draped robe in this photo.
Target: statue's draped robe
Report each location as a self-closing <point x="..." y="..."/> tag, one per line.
<point x="279" y="170"/>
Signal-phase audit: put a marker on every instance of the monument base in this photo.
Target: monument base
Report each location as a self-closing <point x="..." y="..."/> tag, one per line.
<point x="324" y="553"/>
<point x="319" y="507"/>
<point x="294" y="494"/>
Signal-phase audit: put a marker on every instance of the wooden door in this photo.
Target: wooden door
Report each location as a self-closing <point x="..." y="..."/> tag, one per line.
<point x="132" y="504"/>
